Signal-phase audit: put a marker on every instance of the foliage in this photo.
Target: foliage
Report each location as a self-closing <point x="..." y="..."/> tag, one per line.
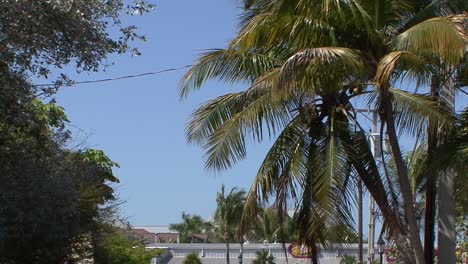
<point x="306" y="68"/>
<point x="189" y="226"/>
<point x="63" y="32"/>
<point x="192" y="258"/>
<point x="263" y="257"/>
<point x="114" y="246"/>
<point x="268" y="227"/>
<point x="51" y="196"/>
<point x="228" y="215"/>
<point x="229" y="212"/>
<point x="346" y="259"/>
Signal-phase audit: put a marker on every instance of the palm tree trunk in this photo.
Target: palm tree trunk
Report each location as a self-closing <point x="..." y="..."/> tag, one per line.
<point x="241" y="252"/>
<point x="429" y="207"/>
<point x="314" y="253"/>
<point x="369" y="176"/>
<point x="446" y="203"/>
<point x="402" y="171"/>
<point x="226" y="239"/>
<point x="429" y="223"/>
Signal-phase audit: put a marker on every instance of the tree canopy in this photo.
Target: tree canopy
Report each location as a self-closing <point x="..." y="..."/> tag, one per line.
<point x="51" y="195"/>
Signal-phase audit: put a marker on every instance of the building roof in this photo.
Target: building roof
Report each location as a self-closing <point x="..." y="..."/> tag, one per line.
<point x="144" y="235"/>
<point x="156" y="229"/>
<point x="167" y="237"/>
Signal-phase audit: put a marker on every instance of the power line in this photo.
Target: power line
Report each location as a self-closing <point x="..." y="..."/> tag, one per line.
<point x="117" y="78"/>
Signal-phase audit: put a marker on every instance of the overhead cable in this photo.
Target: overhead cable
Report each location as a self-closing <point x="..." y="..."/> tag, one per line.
<point x="72" y="83"/>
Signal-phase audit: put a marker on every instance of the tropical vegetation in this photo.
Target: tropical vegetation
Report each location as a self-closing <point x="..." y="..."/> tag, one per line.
<point x="228" y="215"/>
<point x="116" y="246"/>
<point x="346" y="259"/>
<point x="53" y="194"/>
<point x="192" y="258"/>
<point x="309" y="66"/>
<point x="190" y="226"/>
<point x="263" y="257"/>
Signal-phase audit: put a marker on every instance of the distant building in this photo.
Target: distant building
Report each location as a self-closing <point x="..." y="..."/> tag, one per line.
<point x="156" y="234"/>
<point x="144" y="236"/>
<point x="215" y="253"/>
<point x="162" y="234"/>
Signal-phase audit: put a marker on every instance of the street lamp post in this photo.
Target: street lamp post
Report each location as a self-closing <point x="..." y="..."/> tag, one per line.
<point x="239" y="258"/>
<point x="381" y="247"/>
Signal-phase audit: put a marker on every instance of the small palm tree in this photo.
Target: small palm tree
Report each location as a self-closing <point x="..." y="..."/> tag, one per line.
<point x="190" y="225"/>
<point x="228" y="214"/>
<point x="263" y="257"/>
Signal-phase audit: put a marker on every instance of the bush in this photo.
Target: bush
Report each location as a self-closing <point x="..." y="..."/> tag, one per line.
<point x="264" y="257"/>
<point x="192" y="258"/>
<point x="346" y="259"/>
<point x="117" y="247"/>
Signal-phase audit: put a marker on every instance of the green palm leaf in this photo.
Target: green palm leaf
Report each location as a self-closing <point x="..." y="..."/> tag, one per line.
<point x="229" y="65"/>
<point x="400" y="65"/>
<point x="438" y="36"/>
<point x="322" y="68"/>
<point x="412" y="112"/>
<point x="226" y="145"/>
<point x="280" y="171"/>
<point x="211" y="115"/>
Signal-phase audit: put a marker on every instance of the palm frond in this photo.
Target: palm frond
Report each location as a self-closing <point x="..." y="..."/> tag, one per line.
<point x="439" y="37"/>
<point x="228" y="65"/>
<point x="226" y="145"/>
<point x="365" y="165"/>
<point x="417" y="168"/>
<point x="400" y="65"/>
<point x="300" y="31"/>
<point x="413" y="110"/>
<point x="280" y="170"/>
<point x="325" y="67"/>
<point x="211" y="115"/>
<point x="424" y="10"/>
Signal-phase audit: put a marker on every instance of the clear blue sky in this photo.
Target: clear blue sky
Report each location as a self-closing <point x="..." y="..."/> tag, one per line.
<point x="140" y="122"/>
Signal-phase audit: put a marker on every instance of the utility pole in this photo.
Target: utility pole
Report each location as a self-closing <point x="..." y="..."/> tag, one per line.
<point x="376" y="152"/>
<point x="359" y="221"/>
<point x="374" y="138"/>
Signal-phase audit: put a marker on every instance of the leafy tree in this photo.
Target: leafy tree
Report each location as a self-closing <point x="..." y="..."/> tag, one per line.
<point x="192" y="258"/>
<point x="116" y="247"/>
<point x="189" y="226"/>
<point x="50" y="197"/>
<point x="228" y="215"/>
<point x="306" y="67"/>
<point x="263" y="257"/>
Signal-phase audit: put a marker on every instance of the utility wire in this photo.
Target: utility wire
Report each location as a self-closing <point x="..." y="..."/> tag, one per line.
<point x="72" y="83"/>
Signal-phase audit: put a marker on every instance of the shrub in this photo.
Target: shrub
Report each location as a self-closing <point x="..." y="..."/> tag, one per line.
<point x="192" y="258"/>
<point x="263" y="257"/>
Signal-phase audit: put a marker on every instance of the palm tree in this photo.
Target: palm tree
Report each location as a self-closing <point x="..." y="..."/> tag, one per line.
<point x="263" y="257"/>
<point x="269" y="227"/>
<point x="306" y="62"/>
<point x="228" y="214"/>
<point x="189" y="226"/>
